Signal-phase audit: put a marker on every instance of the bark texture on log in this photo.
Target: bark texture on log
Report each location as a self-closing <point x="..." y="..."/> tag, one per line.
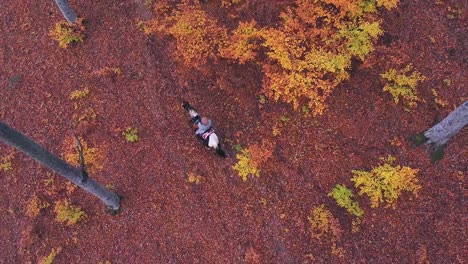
<point x="23" y="143"/>
<point x="66" y="10"/>
<point x="439" y="134"/>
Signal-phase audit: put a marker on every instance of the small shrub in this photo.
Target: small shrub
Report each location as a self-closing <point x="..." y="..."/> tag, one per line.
<point x="106" y="71"/>
<point x="34" y="206"/>
<point x="325" y="228"/>
<point x="93" y="157"/>
<point x="454" y="13"/>
<point x="245" y="165"/>
<point x="336" y="250"/>
<point x="66" y="213"/>
<point x="228" y="3"/>
<point x="402" y="84"/>
<point x="323" y="225"/>
<point x="344" y="198"/>
<point x="131" y="134"/>
<point x="148" y="3"/>
<point x="79" y="94"/>
<point x="51" y="257"/>
<point x="356" y="225"/>
<point x="49" y="181"/>
<point x="66" y="33"/>
<point x="276" y="131"/>
<point x="194" y="178"/>
<point x="87" y="114"/>
<point x="6" y="165"/>
<point x="383" y="184"/>
<point x="251" y="158"/>
<point x="438" y="100"/>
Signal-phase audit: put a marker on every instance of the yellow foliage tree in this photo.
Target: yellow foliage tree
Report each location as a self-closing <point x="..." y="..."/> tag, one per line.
<point x="385" y="183"/>
<point x="309" y="53"/>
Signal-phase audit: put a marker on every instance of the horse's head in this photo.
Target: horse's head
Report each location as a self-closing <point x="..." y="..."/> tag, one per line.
<point x="186" y="105"/>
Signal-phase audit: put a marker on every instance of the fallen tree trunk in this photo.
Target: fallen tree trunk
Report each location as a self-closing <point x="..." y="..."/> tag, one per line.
<point x="438" y="135"/>
<point x="66" y="10"/>
<point x="23" y="143"/>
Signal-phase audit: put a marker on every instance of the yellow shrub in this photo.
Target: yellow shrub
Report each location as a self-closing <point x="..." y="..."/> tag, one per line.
<point x="403" y="85"/>
<point x="66" y="213"/>
<point x="51" y="257"/>
<point x="131" y="134"/>
<point x="245" y="166"/>
<point x="344" y="198"/>
<point x="65" y="33"/>
<point x="79" y="94"/>
<point x="250" y="159"/>
<point x="438" y="100"/>
<point x="228" y="3"/>
<point x="34" y="206"/>
<point x="6" y="164"/>
<point x="385" y="183"/>
<point x="194" y="178"/>
<point x="106" y="71"/>
<point x="326" y="229"/>
<point x="88" y="114"/>
<point x="323" y="225"/>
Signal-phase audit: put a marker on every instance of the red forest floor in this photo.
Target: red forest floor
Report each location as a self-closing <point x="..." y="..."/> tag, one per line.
<point x="166" y="219"/>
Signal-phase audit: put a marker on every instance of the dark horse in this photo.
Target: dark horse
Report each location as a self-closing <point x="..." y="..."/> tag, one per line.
<point x="209" y="137"/>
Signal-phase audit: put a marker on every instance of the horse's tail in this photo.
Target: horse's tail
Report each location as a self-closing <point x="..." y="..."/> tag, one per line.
<point x="220" y="151"/>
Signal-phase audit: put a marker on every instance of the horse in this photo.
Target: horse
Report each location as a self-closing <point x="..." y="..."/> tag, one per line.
<point x="209" y="137"/>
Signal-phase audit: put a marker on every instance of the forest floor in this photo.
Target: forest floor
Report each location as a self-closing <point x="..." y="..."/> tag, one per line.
<point x="165" y="218"/>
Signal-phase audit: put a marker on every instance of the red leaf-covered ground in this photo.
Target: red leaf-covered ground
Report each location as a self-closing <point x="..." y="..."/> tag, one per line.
<point x="167" y="219"/>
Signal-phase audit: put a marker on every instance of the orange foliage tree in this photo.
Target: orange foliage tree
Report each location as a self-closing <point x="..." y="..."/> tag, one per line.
<point x="309" y="53"/>
<point x="196" y="36"/>
<point x="303" y="59"/>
